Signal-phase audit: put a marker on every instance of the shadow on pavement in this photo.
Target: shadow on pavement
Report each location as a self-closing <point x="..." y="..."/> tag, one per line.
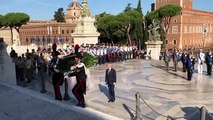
<point x="104" y="90"/>
<point x="189" y="113"/>
<point x="163" y="68"/>
<point x="128" y="109"/>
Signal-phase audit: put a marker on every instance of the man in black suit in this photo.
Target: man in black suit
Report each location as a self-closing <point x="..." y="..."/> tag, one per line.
<point x="110" y="80"/>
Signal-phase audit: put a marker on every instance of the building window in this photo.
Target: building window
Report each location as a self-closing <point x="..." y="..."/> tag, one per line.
<point x="194" y="29"/>
<point x="175" y="29"/>
<point x="74" y="14"/>
<point x="67" y="31"/>
<point x="62" y="32"/>
<point x="190" y="29"/>
<point x="53" y="32"/>
<point x="185" y="29"/>
<point x="72" y="31"/>
<point x="174" y="42"/>
<point x="56" y="32"/>
<point x="175" y="20"/>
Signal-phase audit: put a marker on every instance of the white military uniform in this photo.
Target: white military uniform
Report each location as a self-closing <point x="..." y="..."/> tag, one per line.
<point x="200" y="59"/>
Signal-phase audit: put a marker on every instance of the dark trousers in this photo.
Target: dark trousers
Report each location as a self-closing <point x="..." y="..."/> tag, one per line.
<point x="189" y="74"/>
<point x="78" y="92"/>
<point x="209" y="69"/>
<point x="56" y="85"/>
<point x="57" y="93"/>
<point x="175" y="66"/>
<point x="167" y="65"/>
<point x="28" y="74"/>
<point x="184" y="67"/>
<point x="111" y="92"/>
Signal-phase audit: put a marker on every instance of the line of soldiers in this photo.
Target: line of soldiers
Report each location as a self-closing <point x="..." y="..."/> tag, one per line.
<point x="27" y="64"/>
<point x="189" y="60"/>
<point x="109" y="53"/>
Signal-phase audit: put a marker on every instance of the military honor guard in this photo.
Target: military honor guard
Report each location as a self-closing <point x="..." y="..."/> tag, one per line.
<point x="175" y="57"/>
<point x="189" y="66"/>
<point x="200" y="61"/>
<point x="79" y="89"/>
<point x="166" y="59"/>
<point x="57" y="76"/>
<point x="209" y="62"/>
<point x="184" y="60"/>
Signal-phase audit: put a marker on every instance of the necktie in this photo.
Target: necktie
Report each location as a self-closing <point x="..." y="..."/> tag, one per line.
<point x="109" y="71"/>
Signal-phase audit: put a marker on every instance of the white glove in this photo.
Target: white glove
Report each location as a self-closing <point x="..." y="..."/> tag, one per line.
<point x="66" y="77"/>
<point x="56" y="70"/>
<point x="65" y="74"/>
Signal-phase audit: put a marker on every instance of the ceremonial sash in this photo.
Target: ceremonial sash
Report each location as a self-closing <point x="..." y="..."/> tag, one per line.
<point x="200" y="59"/>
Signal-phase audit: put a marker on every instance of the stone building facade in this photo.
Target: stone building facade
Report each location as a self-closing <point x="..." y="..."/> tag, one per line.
<point x="192" y="28"/>
<point x="45" y="32"/>
<point x="5" y="33"/>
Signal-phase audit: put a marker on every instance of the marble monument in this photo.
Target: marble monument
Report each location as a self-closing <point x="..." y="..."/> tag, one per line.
<point x="154" y="43"/>
<point x="85" y="31"/>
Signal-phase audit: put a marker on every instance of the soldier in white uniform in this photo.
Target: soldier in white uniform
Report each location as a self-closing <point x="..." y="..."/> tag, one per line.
<point x="200" y="60"/>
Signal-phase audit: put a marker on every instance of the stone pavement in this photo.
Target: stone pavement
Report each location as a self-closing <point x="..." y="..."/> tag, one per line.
<point x="23" y="104"/>
<point x="166" y="92"/>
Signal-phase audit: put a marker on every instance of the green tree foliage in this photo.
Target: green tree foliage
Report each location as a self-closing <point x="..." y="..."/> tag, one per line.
<point x="139" y="8"/>
<point x="118" y="28"/>
<point x="1" y="18"/>
<point x="59" y="15"/>
<point x="164" y="14"/>
<point x="128" y="7"/>
<point x="14" y="20"/>
<point x="127" y="21"/>
<point x="103" y="25"/>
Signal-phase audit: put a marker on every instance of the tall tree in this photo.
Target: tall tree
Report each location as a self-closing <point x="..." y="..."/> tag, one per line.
<point x="128" y="7"/>
<point x="14" y="20"/>
<point x="127" y="20"/>
<point x="139" y="8"/>
<point x="59" y="15"/>
<point x="164" y="14"/>
<point x="105" y="24"/>
<point x="1" y="18"/>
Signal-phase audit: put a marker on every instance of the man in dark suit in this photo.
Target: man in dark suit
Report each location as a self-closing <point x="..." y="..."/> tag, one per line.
<point x="110" y="80"/>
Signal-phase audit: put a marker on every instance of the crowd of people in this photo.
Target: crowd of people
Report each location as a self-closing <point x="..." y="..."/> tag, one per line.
<point x="44" y="61"/>
<point x="188" y="58"/>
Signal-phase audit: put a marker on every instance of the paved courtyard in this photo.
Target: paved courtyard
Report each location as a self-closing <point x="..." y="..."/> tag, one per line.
<point x="166" y="92"/>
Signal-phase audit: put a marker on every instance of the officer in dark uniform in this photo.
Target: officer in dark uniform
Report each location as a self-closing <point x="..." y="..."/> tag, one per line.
<point x="183" y="60"/>
<point x="166" y="59"/>
<point x="209" y="62"/>
<point x="175" y="59"/>
<point x="189" y="66"/>
<point x="57" y="76"/>
<point x="79" y="89"/>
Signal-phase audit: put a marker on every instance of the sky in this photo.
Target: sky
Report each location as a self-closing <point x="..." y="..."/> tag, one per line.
<point x="44" y="9"/>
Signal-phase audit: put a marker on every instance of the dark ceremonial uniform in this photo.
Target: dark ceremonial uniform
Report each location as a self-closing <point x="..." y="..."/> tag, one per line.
<point x="189" y="67"/>
<point x="183" y="60"/>
<point x="57" y="78"/>
<point x="193" y="62"/>
<point x="80" y="88"/>
<point x="166" y="60"/>
<point x="209" y="62"/>
<point x="175" y="60"/>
